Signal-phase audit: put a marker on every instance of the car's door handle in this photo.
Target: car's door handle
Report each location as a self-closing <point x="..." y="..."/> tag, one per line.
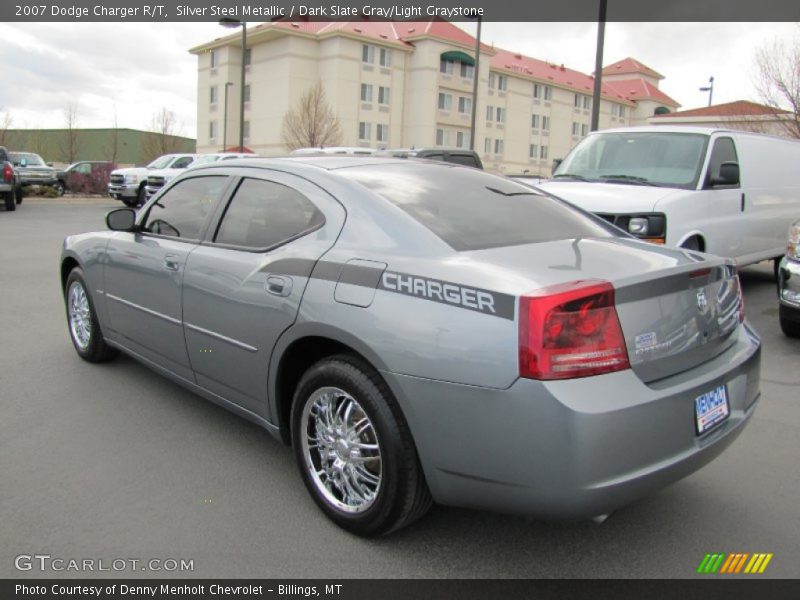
<point x="171" y="262"/>
<point x="278" y="285"/>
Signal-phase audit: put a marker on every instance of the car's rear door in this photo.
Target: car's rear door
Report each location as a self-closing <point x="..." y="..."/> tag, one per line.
<point x="144" y="272"/>
<point x="243" y="286"/>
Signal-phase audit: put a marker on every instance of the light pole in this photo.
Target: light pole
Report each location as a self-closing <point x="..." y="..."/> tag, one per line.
<point x="598" y="66"/>
<point x="233" y="23"/>
<point x="475" y="86"/>
<point x="709" y="88"/>
<point x="225" y="118"/>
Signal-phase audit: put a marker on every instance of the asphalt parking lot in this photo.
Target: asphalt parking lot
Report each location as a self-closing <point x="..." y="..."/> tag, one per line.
<point x="112" y="461"/>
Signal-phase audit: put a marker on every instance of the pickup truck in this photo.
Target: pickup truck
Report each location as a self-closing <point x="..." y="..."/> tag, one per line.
<point x="10" y="184"/>
<point x="129" y="184"/>
<point x="32" y="169"/>
<point x="157" y="179"/>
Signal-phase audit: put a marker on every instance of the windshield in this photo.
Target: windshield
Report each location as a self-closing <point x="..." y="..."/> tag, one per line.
<point x="645" y="158"/>
<point x="33" y="160"/>
<point x="204" y="160"/>
<point x="161" y="163"/>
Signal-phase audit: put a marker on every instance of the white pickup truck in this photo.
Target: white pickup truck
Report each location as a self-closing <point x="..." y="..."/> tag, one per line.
<point x="129" y="184"/>
<point x="726" y="192"/>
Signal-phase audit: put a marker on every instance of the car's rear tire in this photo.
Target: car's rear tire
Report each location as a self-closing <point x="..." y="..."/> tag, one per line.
<point x="84" y="329"/>
<point x="60" y="188"/>
<point x="132" y="202"/>
<point x="141" y="197"/>
<point x="354" y="449"/>
<point x="790" y="321"/>
<point x="10" y="200"/>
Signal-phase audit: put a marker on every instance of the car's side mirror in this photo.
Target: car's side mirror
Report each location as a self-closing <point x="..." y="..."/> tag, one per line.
<point x="121" y="219"/>
<point x="556" y="163"/>
<point x="728" y="174"/>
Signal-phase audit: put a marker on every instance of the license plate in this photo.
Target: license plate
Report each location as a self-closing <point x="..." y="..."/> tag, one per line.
<point x="710" y="409"/>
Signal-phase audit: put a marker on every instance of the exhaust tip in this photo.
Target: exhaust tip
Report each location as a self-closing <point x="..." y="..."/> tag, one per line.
<point x="600" y="519"/>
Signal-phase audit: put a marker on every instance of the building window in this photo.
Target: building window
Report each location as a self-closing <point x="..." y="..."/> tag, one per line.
<point x="446" y="66"/>
<point x="212" y="96"/>
<point x="621" y="112"/>
<point x="367" y="54"/>
<point x="498" y="146"/>
<point x="442" y="137"/>
<point x="248" y="53"/>
<point x="492" y="81"/>
<point x="487" y="145"/>
<point x="537" y="90"/>
<point x="213" y="59"/>
<point x="534" y="151"/>
<point x="543" y="152"/>
<point x="246" y="130"/>
<point x="462" y="139"/>
<point x="464" y="105"/>
<point x="366" y="92"/>
<point x="576" y="128"/>
<point x="584" y="129"/>
<point x="548" y="92"/>
<point x="490" y="114"/>
<point x="385" y="57"/>
<point x="212" y="130"/>
<point x="383" y="95"/>
<point x="545" y="123"/>
<point x="502" y="83"/>
<point x="618" y="110"/>
<point x="365" y="131"/>
<point x="445" y="101"/>
<point x="577" y="102"/>
<point x="247" y="92"/>
<point x="501" y="115"/>
<point x="587" y="102"/>
<point x="383" y="133"/>
<point x="534" y="121"/>
<point x="467" y="71"/>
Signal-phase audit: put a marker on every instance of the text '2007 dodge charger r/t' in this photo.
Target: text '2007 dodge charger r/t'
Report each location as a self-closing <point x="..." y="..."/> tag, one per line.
<point x="421" y="332"/>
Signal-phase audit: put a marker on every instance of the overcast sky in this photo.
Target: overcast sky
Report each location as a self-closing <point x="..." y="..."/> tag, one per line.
<point x="135" y="69"/>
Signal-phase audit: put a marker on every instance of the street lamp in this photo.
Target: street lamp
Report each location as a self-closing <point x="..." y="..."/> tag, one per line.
<point x="598" y="65"/>
<point x="225" y="118"/>
<point x="475" y="86"/>
<point x="233" y="23"/>
<point x="709" y="88"/>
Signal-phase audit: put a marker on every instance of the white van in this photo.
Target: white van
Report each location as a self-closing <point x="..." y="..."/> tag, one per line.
<point x="726" y="192"/>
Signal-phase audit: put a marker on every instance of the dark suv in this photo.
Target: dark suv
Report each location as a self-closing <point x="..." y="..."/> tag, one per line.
<point x="10" y="185"/>
<point x="459" y="156"/>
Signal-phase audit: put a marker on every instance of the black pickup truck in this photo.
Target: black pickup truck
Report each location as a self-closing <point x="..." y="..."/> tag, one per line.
<point x="10" y="183"/>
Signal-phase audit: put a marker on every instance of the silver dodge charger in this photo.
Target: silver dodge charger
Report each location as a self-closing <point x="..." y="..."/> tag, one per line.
<point x="422" y="332"/>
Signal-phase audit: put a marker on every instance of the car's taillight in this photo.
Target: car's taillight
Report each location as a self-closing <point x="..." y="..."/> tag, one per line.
<point x="8" y="173"/>
<point x="570" y="330"/>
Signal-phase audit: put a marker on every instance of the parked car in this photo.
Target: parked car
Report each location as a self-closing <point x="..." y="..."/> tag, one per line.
<point x="129" y="184"/>
<point x="422" y="331"/>
<point x="789" y="284"/>
<point x="85" y="176"/>
<point x="731" y="193"/>
<point x="32" y="169"/>
<point x="459" y="156"/>
<point x="157" y="178"/>
<point x="10" y="184"/>
<point x="347" y="150"/>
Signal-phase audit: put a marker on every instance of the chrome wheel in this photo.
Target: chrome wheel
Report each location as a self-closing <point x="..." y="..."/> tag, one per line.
<point x="80" y="315"/>
<point x="341" y="450"/>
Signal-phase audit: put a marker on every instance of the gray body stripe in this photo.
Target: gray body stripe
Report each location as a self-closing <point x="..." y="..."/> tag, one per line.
<point x="360" y="275"/>
<point x="145" y="310"/>
<point x="224" y="338"/>
<point x="671" y="284"/>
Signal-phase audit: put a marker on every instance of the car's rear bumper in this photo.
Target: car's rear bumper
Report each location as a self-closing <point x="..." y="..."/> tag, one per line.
<point x="789" y="285"/>
<point x="576" y="448"/>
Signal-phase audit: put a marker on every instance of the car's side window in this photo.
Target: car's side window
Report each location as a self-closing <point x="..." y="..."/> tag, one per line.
<point x="183" y="209"/>
<point x="84" y="169"/>
<point x="723" y="151"/>
<point x="263" y="214"/>
<point x="463" y="159"/>
<point x="183" y="162"/>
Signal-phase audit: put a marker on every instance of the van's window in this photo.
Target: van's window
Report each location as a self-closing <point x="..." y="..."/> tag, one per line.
<point x="470" y="209"/>
<point x="463" y="159"/>
<point x="723" y="151"/>
<point x="646" y="158"/>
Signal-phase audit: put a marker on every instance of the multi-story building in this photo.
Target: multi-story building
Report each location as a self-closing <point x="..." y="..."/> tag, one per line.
<point x="410" y="84"/>
<point x="740" y="114"/>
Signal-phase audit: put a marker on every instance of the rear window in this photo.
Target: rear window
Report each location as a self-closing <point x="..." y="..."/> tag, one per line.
<point x="473" y="210"/>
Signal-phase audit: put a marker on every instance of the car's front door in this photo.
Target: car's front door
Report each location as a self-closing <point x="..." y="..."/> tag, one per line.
<point x="144" y="272"/>
<point x="242" y="288"/>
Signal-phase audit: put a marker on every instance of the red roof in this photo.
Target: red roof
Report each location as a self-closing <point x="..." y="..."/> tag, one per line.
<point x="519" y="64"/>
<point x="640" y="89"/>
<point x="630" y="66"/>
<point x="739" y="108"/>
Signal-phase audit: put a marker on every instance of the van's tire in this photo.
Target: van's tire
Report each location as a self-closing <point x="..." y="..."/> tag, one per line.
<point x="84" y="328"/>
<point x="776" y="267"/>
<point x="354" y="449"/>
<point x="790" y="321"/>
<point x="141" y="197"/>
<point x="10" y="200"/>
<point x="132" y="202"/>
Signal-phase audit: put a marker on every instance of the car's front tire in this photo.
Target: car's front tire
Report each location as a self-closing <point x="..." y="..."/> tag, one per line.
<point x="84" y="329"/>
<point x="354" y="449"/>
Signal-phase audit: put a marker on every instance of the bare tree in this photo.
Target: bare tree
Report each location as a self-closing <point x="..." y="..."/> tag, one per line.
<point x="5" y="125"/>
<point x="163" y="136"/>
<point x="312" y="124"/>
<point x="777" y="81"/>
<point x="69" y="146"/>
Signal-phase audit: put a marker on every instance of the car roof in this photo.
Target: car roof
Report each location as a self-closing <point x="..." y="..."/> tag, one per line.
<point x="328" y="162"/>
